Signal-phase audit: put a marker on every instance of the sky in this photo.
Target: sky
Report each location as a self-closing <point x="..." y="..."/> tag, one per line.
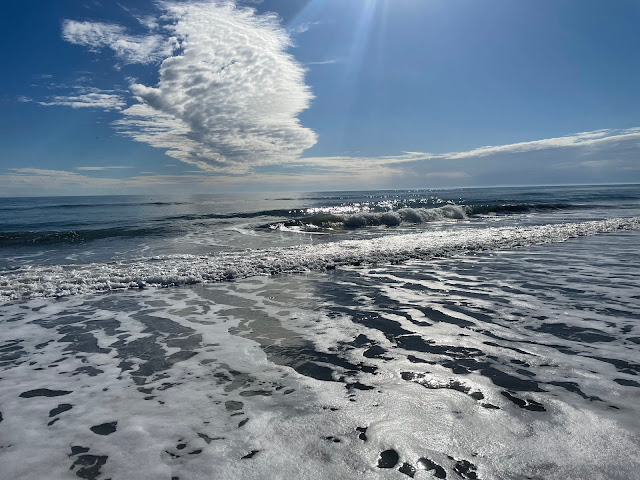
<point x="178" y="96"/>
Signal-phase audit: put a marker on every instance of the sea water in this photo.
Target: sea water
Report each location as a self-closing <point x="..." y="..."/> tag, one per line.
<point x="464" y="333"/>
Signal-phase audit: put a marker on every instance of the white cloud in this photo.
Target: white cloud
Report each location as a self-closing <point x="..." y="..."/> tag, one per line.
<point x="127" y="47"/>
<point x="229" y="101"/>
<point x="586" y="142"/>
<point x="102" y="168"/>
<point x="575" y="140"/>
<point x="147" y="125"/>
<point x="92" y="99"/>
<point x="148" y="21"/>
<point x="302" y="27"/>
<point x="589" y="157"/>
<point x="324" y="62"/>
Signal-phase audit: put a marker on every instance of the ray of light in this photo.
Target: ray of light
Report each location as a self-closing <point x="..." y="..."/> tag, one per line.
<point x="361" y="38"/>
<point x="365" y="45"/>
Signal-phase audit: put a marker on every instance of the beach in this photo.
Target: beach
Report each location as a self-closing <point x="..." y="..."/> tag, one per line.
<point x="465" y="333"/>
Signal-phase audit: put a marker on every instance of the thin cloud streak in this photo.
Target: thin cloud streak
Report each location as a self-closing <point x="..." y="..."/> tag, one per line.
<point x="585" y="140"/>
<point x="104" y="101"/>
<point x="324" y="62"/>
<point x="98" y="169"/>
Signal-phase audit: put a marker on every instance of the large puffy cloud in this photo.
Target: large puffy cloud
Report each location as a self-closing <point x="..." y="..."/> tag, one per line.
<point x="234" y="89"/>
<point x="227" y="100"/>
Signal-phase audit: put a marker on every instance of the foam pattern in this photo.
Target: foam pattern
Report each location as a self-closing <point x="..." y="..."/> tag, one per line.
<point x="499" y="365"/>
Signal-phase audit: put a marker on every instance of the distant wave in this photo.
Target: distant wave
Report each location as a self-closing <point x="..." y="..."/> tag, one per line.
<point x="53" y="237"/>
<point x="412" y="215"/>
<point x="510" y="208"/>
<point x="67" y="206"/>
<point x="13" y="239"/>
<point x="54" y="281"/>
<point x="222" y="216"/>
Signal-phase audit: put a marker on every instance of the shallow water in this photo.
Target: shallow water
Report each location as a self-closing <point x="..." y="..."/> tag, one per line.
<point x="514" y="359"/>
<point x="465" y="365"/>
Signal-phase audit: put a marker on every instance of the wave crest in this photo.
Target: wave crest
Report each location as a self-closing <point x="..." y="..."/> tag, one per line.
<point x="410" y="215"/>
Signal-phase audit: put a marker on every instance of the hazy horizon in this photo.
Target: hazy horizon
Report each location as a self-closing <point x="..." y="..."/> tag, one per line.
<point x="257" y="192"/>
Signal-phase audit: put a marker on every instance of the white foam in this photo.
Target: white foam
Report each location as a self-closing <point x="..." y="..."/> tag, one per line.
<point x="573" y="439"/>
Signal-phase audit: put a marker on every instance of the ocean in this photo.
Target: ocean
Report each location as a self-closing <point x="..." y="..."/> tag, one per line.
<point x="489" y="333"/>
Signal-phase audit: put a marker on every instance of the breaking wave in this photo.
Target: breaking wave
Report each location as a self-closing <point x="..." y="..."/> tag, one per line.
<point x="410" y="215"/>
<point x="55" y="281"/>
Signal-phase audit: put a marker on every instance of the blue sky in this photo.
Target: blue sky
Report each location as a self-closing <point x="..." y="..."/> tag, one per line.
<point x="211" y="96"/>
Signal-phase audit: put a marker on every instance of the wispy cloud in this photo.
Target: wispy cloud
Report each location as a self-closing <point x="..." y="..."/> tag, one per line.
<point x="93" y="99"/>
<point x="301" y="27"/>
<point x="107" y="167"/>
<point x="589" y="157"/>
<point x="127" y="47"/>
<point x="149" y="21"/>
<point x="330" y="61"/>
<point x="586" y="142"/>
<point x="575" y="140"/>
